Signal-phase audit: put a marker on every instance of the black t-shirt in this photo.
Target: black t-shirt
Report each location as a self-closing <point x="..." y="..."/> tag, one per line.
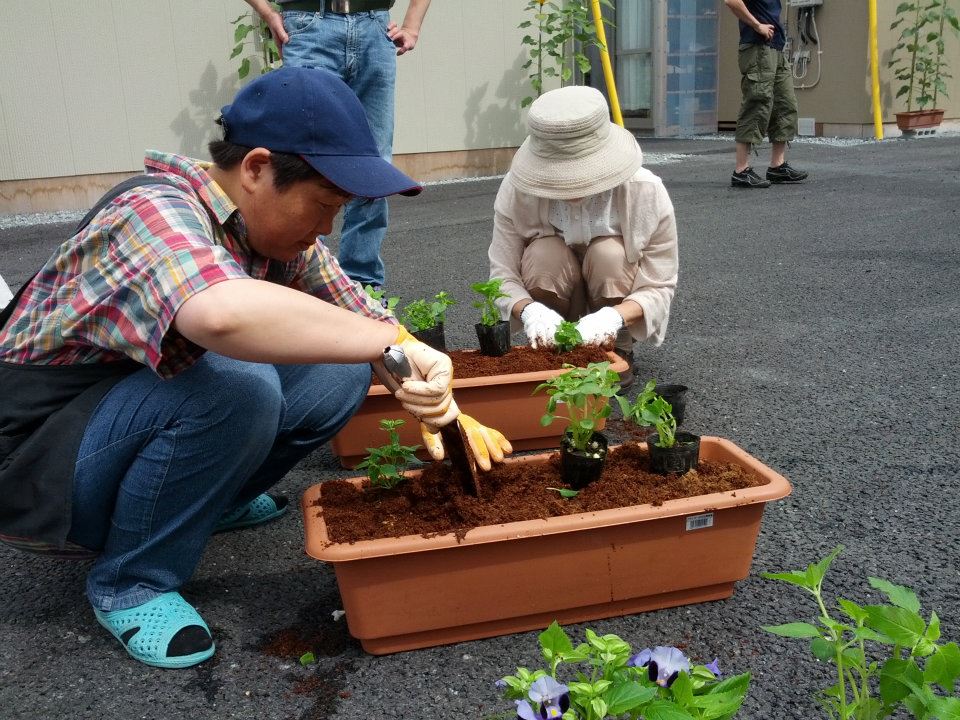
<point x="766" y="12"/>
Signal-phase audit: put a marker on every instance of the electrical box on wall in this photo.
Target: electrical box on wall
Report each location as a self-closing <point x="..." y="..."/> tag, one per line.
<point x="803" y="3"/>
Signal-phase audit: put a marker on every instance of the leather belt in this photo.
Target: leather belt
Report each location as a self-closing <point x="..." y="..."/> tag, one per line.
<point x="337" y="6"/>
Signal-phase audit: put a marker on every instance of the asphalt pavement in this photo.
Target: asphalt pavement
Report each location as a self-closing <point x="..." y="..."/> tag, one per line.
<point x="818" y="327"/>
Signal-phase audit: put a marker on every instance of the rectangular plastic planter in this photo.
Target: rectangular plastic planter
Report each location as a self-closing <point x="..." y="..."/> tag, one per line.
<point x="414" y="592"/>
<point x="505" y="402"/>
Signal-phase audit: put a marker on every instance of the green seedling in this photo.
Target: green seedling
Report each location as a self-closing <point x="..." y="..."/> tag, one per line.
<point x="567" y="337"/>
<point x="888" y="660"/>
<point x="585" y="393"/>
<point x="651" y="410"/>
<point x="489" y="315"/>
<point x="377" y="295"/>
<point x="423" y="315"/>
<point x="308" y="658"/>
<point x="385" y="464"/>
<point x="564" y="492"/>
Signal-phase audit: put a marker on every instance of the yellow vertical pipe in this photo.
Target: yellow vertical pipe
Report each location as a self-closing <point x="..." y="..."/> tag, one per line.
<point x="875" y="72"/>
<point x="605" y="62"/>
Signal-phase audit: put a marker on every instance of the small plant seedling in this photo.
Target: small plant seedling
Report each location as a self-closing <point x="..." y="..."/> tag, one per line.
<point x="651" y="410"/>
<point x="888" y="659"/>
<point x="490" y="289"/>
<point x="423" y="315"/>
<point x="385" y="464"/>
<point x="585" y="392"/>
<point x="377" y="295"/>
<point x="565" y="492"/>
<point x="308" y="658"/>
<point x="567" y="337"/>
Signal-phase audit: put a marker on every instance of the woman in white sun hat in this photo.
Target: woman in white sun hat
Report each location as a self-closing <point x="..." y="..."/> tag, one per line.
<point x="582" y="231"/>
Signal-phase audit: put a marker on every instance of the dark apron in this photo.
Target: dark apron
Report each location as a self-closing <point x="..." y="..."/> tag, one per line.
<point x="44" y="410"/>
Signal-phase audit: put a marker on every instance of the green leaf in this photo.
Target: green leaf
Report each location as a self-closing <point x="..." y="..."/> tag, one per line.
<point x="817" y="570"/>
<point x="852" y="610"/>
<point x="244" y="68"/>
<point x="943" y="668"/>
<point x="946" y="708"/>
<point x="823" y="649"/>
<point x="236" y="51"/>
<point x="794" y="578"/>
<point x="794" y="630"/>
<point x="665" y="710"/>
<point x="554" y="641"/>
<point x="737" y="683"/>
<point x="565" y="492"/>
<point x="899" y="595"/>
<point x="625" y="697"/>
<point x="903" y="626"/>
<point x="308" y="658"/>
<point x="241" y="32"/>
<point x="681" y="690"/>
<point x="899" y="678"/>
<point x="599" y="707"/>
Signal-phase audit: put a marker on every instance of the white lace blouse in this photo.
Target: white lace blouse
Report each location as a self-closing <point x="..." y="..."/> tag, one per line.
<point x="579" y="221"/>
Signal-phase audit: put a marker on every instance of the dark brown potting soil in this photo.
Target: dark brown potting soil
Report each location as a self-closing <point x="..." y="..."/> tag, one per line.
<point x="435" y="502"/>
<point x="520" y="359"/>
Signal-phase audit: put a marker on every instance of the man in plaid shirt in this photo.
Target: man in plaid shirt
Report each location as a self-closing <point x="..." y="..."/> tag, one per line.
<point x="175" y="358"/>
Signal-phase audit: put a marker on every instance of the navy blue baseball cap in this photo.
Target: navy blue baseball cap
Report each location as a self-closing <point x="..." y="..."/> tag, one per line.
<point x="314" y="114"/>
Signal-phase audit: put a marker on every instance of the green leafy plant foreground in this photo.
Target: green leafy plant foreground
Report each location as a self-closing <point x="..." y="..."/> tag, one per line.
<point x="886" y="656"/>
<point x="423" y="314"/>
<point x="385" y="464"/>
<point x="585" y="394"/>
<point x="491" y="292"/>
<point x="603" y="678"/>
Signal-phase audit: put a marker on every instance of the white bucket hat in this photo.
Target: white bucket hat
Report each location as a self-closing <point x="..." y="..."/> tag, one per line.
<point x="573" y="150"/>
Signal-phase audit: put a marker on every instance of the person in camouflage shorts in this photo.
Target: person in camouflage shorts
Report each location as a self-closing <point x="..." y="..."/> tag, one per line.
<point x="769" y="105"/>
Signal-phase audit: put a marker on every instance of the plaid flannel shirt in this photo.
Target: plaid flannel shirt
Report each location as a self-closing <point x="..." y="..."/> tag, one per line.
<point x="111" y="291"/>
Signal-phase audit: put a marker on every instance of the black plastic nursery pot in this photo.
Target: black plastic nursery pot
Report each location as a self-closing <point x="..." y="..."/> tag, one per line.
<point x="494" y="339"/>
<point x="434" y="337"/>
<point x="681" y="458"/>
<point x="676" y="395"/>
<point x="579" y="468"/>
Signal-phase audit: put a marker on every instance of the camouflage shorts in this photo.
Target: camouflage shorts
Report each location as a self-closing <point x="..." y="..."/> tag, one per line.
<point x="769" y="104"/>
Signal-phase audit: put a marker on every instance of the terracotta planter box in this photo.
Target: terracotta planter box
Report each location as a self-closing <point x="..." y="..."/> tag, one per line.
<point x="414" y="592"/>
<point x="919" y="119"/>
<point x="505" y="402"/>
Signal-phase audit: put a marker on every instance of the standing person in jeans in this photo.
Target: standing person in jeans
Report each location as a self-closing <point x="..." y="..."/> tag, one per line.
<point x="356" y="40"/>
<point x="769" y="104"/>
<point x="179" y="354"/>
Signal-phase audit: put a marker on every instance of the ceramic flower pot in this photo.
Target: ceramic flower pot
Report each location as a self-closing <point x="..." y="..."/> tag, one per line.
<point x="415" y="591"/>
<point x="505" y="402"/>
<point x="579" y="468"/>
<point x="494" y="339"/>
<point x="434" y="337"/>
<point x="681" y="458"/>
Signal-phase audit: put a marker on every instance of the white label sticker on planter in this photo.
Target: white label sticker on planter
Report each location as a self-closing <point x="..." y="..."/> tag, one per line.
<point x="699" y="522"/>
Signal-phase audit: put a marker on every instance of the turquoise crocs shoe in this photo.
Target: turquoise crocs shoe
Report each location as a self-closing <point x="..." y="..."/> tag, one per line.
<point x="165" y="632"/>
<point x="261" y="509"/>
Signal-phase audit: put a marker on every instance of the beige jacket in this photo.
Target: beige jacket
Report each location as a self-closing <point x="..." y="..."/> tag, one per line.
<point x="649" y="235"/>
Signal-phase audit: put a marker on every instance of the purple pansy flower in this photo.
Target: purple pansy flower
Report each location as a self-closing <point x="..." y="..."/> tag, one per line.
<point x="525" y="712"/>
<point x="714" y="667"/>
<point x="663" y="664"/>
<point x="552" y="697"/>
<point x="500" y="684"/>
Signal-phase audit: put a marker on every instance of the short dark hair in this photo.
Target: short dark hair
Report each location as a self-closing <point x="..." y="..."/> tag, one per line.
<point x="287" y="168"/>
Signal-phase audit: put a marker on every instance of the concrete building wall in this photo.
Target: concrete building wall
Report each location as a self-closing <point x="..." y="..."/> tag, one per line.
<point x="95" y="82"/>
<point x="841" y="101"/>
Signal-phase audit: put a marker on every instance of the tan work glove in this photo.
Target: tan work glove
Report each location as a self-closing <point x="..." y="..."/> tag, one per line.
<point x="486" y="444"/>
<point x="427" y="395"/>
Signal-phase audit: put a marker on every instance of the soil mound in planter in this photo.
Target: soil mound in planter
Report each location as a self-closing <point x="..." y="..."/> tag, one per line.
<point x="434" y="502"/>
<point x="520" y="359"/>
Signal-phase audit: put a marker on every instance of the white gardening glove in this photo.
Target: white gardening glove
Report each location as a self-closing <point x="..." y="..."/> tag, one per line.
<point x="427" y="395"/>
<point x="600" y="327"/>
<point x="540" y="323"/>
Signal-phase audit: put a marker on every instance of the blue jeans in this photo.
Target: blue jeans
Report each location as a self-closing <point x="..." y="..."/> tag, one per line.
<point x="355" y="46"/>
<point x="162" y="460"/>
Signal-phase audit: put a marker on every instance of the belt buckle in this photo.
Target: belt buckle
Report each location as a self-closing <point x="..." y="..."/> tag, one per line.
<point x="340" y="6"/>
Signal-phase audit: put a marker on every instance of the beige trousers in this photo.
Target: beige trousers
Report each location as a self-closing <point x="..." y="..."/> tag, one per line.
<point x="581" y="279"/>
